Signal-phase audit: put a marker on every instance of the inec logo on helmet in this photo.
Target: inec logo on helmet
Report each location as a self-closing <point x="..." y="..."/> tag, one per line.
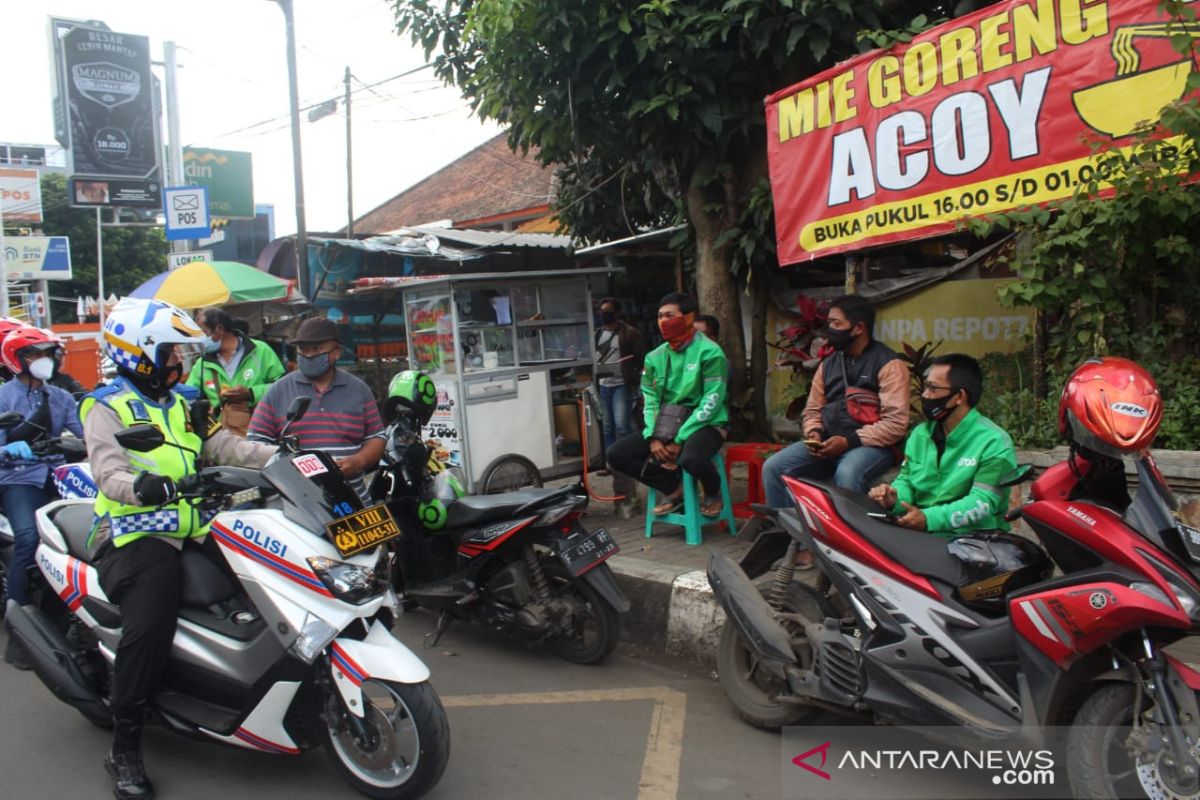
<point x="1130" y="410"/>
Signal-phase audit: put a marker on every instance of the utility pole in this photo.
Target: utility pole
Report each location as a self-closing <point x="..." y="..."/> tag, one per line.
<point x="297" y="163"/>
<point x="3" y="270"/>
<point x="174" y="145"/>
<point x="349" y="166"/>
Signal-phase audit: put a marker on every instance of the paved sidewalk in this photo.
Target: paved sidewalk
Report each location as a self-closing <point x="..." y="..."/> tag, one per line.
<point x="673" y="610"/>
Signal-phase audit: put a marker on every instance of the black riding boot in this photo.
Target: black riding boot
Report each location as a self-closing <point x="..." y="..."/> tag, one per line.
<point x="124" y="761"/>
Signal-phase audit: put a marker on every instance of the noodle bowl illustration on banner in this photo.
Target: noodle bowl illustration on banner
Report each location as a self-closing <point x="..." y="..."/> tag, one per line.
<point x="1118" y="107"/>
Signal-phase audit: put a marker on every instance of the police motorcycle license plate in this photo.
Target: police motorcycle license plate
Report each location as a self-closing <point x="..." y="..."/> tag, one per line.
<point x="584" y="550"/>
<point x="362" y="530"/>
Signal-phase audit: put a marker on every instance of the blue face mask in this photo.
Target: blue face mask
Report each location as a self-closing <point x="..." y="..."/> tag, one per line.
<point x="211" y="346"/>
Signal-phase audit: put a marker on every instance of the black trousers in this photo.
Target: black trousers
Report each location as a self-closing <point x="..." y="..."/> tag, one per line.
<point x="145" y="579"/>
<point x="631" y="455"/>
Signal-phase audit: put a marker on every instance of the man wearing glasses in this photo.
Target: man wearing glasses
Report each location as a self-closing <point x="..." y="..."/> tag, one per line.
<point x="955" y="461"/>
<point x="343" y="419"/>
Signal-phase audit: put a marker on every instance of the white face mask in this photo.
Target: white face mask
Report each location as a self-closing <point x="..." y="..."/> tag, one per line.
<point x="42" y="369"/>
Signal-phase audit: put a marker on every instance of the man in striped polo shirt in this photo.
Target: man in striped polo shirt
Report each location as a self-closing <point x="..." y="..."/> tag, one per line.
<point x="343" y="419"/>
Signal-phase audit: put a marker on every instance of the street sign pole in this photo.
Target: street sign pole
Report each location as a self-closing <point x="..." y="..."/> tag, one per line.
<point x="175" y="145"/>
<point x="100" y="269"/>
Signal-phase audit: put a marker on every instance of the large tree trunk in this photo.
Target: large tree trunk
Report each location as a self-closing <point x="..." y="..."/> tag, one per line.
<point x="716" y="286"/>
<point x="760" y="288"/>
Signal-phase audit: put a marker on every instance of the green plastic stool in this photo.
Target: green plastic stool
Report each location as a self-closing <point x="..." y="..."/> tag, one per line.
<point x="690" y="518"/>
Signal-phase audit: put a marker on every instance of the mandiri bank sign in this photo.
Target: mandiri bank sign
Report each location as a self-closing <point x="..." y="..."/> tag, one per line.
<point x="985" y="113"/>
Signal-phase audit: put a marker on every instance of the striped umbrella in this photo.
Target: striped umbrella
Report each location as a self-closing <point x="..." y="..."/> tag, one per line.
<point x="216" y="283"/>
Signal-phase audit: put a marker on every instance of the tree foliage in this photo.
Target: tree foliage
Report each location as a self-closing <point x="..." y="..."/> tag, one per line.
<point x="131" y="255"/>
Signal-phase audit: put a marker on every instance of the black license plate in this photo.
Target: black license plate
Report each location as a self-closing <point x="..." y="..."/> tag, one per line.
<point x="362" y="530"/>
<point x="584" y="550"/>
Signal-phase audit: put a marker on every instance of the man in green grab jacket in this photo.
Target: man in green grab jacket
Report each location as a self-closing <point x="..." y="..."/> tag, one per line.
<point x="235" y="370"/>
<point x="684" y="382"/>
<point x="955" y="461"/>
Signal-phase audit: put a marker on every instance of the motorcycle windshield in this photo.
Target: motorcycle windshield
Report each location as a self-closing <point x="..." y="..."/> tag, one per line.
<point x="1152" y="511"/>
<point x="312" y="488"/>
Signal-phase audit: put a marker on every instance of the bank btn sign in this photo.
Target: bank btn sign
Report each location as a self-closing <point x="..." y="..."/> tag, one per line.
<point x="37" y="258"/>
<point x="986" y="113"/>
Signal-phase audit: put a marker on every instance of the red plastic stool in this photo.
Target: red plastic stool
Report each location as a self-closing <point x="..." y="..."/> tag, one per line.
<point x="752" y="454"/>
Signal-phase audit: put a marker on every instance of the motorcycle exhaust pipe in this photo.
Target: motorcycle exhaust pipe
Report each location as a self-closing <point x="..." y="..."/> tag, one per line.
<point x="52" y="659"/>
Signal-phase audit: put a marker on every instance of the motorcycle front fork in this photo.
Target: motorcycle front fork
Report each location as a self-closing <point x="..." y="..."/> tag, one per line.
<point x="1163" y="700"/>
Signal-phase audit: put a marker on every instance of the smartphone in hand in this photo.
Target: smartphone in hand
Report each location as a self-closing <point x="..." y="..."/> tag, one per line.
<point x="882" y="515"/>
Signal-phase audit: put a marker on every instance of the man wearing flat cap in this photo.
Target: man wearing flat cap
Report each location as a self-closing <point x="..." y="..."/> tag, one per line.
<point x="343" y="419"/>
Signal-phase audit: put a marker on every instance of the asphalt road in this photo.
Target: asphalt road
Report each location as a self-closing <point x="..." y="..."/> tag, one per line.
<point x="523" y="725"/>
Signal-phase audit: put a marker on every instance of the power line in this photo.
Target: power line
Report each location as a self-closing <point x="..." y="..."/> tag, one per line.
<point x="364" y="87"/>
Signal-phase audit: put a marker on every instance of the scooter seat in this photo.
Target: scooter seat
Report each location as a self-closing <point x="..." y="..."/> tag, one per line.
<point x="923" y="553"/>
<point x="476" y="509"/>
<point x="74" y="520"/>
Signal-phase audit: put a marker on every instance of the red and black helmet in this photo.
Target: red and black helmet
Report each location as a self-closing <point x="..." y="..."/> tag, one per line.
<point x="1110" y="405"/>
<point x="31" y="338"/>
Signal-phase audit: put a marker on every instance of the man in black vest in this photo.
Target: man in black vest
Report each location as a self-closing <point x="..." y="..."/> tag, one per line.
<point x="853" y="452"/>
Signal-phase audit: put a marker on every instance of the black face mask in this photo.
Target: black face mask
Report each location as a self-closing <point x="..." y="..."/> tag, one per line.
<point x="934" y="408"/>
<point x="839" y="339"/>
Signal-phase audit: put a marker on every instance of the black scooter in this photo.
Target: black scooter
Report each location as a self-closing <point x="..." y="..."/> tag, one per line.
<point x="519" y="562"/>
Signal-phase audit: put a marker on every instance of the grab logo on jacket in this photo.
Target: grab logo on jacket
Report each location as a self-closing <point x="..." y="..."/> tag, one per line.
<point x="968" y="462"/>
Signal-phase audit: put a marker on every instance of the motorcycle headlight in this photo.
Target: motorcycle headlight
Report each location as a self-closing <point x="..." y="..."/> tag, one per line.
<point x="353" y="583"/>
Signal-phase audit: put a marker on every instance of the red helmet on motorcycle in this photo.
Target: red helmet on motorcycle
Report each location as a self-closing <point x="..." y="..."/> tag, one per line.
<point x="1111" y="406"/>
<point x="24" y="337"/>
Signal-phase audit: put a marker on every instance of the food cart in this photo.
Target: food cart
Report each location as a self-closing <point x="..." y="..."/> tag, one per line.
<point x="512" y="355"/>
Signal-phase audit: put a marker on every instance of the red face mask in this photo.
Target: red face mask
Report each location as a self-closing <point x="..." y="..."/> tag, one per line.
<point x="678" y="330"/>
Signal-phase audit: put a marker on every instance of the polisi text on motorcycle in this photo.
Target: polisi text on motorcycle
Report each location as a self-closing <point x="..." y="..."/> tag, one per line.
<point x="262" y="540"/>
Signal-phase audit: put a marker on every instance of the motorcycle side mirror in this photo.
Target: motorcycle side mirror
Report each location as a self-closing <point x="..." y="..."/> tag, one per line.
<point x="1022" y="473"/>
<point x="10" y="419"/>
<point x="298" y="408"/>
<point x="141" y="438"/>
<point x="295" y="411"/>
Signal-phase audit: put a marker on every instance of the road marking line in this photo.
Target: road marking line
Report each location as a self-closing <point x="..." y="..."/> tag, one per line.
<point x="664" y="744"/>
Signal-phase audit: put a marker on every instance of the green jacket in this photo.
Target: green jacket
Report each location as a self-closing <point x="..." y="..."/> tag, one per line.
<point x="961" y="493"/>
<point x="257" y="370"/>
<point x="696" y="376"/>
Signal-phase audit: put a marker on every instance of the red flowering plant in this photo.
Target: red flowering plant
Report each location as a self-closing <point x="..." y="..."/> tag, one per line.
<point x="801" y="346"/>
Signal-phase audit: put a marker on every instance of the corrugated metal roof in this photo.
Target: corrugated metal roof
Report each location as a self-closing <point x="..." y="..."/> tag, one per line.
<point x="488" y="239"/>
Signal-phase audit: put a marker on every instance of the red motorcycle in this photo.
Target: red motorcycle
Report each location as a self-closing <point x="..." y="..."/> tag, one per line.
<point x="913" y="629"/>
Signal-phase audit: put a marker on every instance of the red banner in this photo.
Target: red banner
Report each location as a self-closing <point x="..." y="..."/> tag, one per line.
<point x="985" y="113"/>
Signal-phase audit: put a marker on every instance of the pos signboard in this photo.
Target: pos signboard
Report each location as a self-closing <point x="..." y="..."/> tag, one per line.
<point x="988" y="112"/>
<point x="186" y="210"/>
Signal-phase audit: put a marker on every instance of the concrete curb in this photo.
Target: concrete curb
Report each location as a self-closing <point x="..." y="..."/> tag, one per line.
<point x="672" y="611"/>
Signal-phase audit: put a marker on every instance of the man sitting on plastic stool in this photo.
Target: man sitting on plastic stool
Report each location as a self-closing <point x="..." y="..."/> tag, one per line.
<point x="684" y="383"/>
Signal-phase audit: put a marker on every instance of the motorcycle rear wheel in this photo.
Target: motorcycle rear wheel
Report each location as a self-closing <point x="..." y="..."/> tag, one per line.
<point x="751" y="690"/>
<point x="597" y="632"/>
<point x="411" y="747"/>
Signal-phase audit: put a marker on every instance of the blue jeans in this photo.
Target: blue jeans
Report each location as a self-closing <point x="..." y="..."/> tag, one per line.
<point x="615" y="408"/>
<point x="856" y="469"/>
<point x="20" y="502"/>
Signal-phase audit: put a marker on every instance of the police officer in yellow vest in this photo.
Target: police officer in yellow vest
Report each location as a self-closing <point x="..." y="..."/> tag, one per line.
<point x="142" y="531"/>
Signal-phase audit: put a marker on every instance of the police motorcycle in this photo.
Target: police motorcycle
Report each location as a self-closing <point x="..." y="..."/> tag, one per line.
<point x="284" y="647"/>
<point x="519" y="562"/>
<point x="72" y="480"/>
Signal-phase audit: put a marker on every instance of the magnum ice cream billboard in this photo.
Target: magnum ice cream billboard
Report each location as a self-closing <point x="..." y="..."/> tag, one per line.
<point x="112" y="122"/>
<point x="989" y="112"/>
